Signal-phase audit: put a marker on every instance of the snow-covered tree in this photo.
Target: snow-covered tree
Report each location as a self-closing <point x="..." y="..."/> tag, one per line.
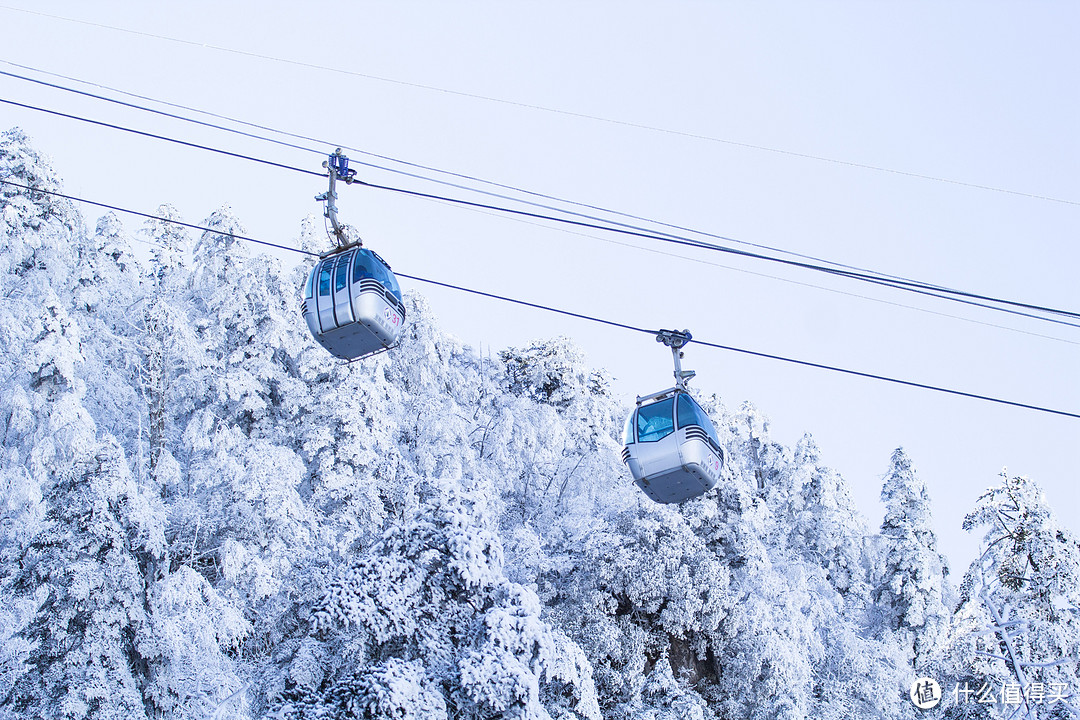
<point x="190" y="643"/>
<point x="426" y="625"/>
<point x="106" y="291"/>
<point x="85" y="570"/>
<point x="167" y="348"/>
<point x="239" y="518"/>
<point x="268" y="532"/>
<point x="645" y="596"/>
<point x="911" y="590"/>
<point x="49" y="431"/>
<point x="825" y="523"/>
<point x="39" y="234"/>
<point x="1018" y="622"/>
<point x="169" y="247"/>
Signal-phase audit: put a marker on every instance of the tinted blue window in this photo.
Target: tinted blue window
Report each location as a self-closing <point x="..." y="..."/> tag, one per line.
<point x="391" y="284"/>
<point x="342" y="273"/>
<point x="690" y="413"/>
<point x="628" y="431"/>
<point x="324" y="281"/>
<point x="654" y="422"/>
<point x="386" y="276"/>
<point x="360" y="267"/>
<point x="378" y="271"/>
<point x="309" y="288"/>
<point x="370" y="265"/>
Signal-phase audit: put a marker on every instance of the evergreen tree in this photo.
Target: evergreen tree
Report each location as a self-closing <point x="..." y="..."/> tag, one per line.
<point x="911" y="590"/>
<point x="170" y="248"/>
<point x="426" y="625"/>
<point x="191" y="642"/>
<point x="49" y="430"/>
<point x="86" y="567"/>
<point x="83" y="569"/>
<point x="826" y="525"/>
<point x="38" y="231"/>
<point x="107" y="287"/>
<point x="1018" y="622"/>
<point x="646" y="599"/>
<point x="167" y="347"/>
<point x="240" y="519"/>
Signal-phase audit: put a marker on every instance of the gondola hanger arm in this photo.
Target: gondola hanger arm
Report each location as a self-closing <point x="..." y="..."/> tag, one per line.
<point x="337" y="166"/>
<point x="676" y="340"/>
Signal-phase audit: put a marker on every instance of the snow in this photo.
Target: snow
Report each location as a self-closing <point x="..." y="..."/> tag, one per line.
<point x="206" y="515"/>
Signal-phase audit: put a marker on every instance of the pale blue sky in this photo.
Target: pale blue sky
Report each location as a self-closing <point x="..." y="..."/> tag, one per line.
<point x="976" y="93"/>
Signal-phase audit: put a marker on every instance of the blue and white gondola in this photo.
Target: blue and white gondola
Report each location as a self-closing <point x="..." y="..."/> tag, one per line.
<point x="352" y="301"/>
<point x="352" y="304"/>
<point x="671" y="448"/>
<point x="669" y="443"/>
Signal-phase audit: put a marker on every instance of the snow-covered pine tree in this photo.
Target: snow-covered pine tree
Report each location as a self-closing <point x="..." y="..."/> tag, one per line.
<point x="170" y="247"/>
<point x="910" y="593"/>
<point x="797" y="548"/>
<point x="826" y="525"/>
<point x="107" y="288"/>
<point x="86" y="568"/>
<point x="645" y="597"/>
<point x="167" y="347"/>
<point x="554" y="435"/>
<point x="1015" y="637"/>
<point x="38" y="231"/>
<point x="241" y="520"/>
<point x="83" y="570"/>
<point x="41" y="243"/>
<point x="425" y="624"/>
<point x="48" y="429"/>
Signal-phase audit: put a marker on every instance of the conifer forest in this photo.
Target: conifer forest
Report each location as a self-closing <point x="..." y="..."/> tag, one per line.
<point x="206" y="516"/>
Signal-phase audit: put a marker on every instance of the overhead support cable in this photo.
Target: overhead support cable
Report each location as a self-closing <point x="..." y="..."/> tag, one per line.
<point x="162" y="113"/>
<point x="580" y="316"/>
<point x="398" y="161"/>
<point x="426" y="168"/>
<point x="153" y="136"/>
<point x="150" y="216"/>
<point x="908" y="285"/>
<point x="778" y="278"/>
<point x="545" y="109"/>
<point x="839" y="269"/>
<point x="753" y="353"/>
<point x="468" y="188"/>
<point x="915" y="286"/>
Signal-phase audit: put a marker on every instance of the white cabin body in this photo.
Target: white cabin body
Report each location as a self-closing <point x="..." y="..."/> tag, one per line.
<point x="671" y="447"/>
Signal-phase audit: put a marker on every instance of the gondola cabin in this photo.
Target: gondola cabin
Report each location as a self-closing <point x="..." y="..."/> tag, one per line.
<point x="671" y="447"/>
<point x="352" y="304"/>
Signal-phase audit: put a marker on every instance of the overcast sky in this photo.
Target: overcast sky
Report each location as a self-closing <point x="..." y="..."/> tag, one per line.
<point x="932" y="141"/>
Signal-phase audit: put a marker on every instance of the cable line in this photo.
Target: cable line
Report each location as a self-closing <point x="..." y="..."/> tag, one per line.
<point x="162" y="137"/>
<point x="556" y="111"/>
<point x="431" y="169"/>
<point x="785" y="280"/>
<point x="862" y="274"/>
<point x="399" y="161"/>
<point x="908" y="285"/>
<point x="915" y="286"/>
<point x="157" y="112"/>
<point x="581" y="316"/>
<point x="753" y="353"/>
<point x="480" y="180"/>
<point x="178" y="106"/>
<point x="156" y="217"/>
<point x="393" y="160"/>
<point x="536" y="306"/>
